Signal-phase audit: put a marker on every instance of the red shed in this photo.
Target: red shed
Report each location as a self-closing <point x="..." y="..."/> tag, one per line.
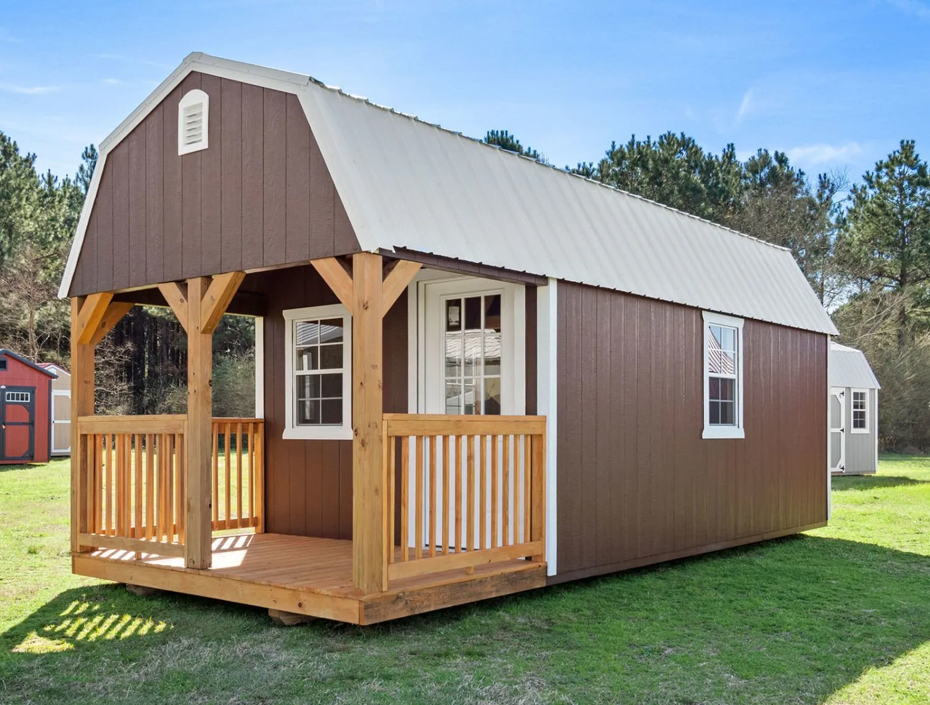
<point x="25" y="419"/>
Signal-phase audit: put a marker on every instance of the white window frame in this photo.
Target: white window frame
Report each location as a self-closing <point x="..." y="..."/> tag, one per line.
<point x="342" y="431"/>
<point x="715" y="431"/>
<point x="190" y="99"/>
<point x="852" y="410"/>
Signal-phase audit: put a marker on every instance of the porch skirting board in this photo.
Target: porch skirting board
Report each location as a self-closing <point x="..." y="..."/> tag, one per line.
<point x="309" y="576"/>
<point x="675" y="555"/>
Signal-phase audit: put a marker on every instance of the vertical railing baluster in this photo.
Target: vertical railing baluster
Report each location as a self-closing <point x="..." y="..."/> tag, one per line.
<point x="404" y="497"/>
<point x="445" y="495"/>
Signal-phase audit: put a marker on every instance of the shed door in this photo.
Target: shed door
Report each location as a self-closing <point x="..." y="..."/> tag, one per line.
<point x="837" y="430"/>
<point x="61" y="422"/>
<point x="471" y="361"/>
<point x="17" y="423"/>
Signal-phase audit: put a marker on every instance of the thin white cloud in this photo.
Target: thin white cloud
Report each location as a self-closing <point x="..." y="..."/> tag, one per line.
<point x="29" y="90"/>
<point x="745" y="106"/>
<point x="817" y="154"/>
<point x="113" y="81"/>
<point x="912" y="7"/>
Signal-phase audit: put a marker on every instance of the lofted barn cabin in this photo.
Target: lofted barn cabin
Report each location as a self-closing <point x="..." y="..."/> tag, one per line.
<point x="476" y="374"/>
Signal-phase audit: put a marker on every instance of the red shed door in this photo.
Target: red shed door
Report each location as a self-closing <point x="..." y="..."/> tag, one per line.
<point x="17" y="423"/>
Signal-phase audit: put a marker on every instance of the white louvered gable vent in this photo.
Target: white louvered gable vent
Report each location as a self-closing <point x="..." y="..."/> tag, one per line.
<point x="193" y="119"/>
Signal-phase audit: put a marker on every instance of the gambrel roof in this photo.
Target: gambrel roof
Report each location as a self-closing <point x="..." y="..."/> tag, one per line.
<point x="410" y="185"/>
<point x="850" y="368"/>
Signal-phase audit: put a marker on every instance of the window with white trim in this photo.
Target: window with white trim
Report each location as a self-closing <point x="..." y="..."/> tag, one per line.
<point x="193" y="120"/>
<point x="860" y="413"/>
<point x="723" y="376"/>
<point x="318" y="361"/>
<point x="19" y="397"/>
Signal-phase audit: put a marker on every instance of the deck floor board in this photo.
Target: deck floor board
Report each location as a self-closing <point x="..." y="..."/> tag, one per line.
<point x="306" y="572"/>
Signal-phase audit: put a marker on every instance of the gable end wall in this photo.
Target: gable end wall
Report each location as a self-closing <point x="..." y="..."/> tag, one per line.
<point x="259" y="196"/>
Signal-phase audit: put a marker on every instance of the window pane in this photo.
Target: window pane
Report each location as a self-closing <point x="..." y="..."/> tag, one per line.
<point x="306" y="332"/>
<point x="331" y="386"/>
<point x="469" y="396"/>
<point x="472" y="352"/>
<point x="453" y="355"/>
<point x="308" y="387"/>
<point x="727" y="413"/>
<point x="308" y="412"/>
<point x="492" y="335"/>
<point x="726" y="389"/>
<point x="713" y="388"/>
<point x="331" y="330"/>
<point x="473" y="313"/>
<point x="492" y="396"/>
<point x="308" y="359"/>
<point x="332" y="411"/>
<point x="714" y="413"/>
<point x="454" y="315"/>
<point x="453" y="397"/>
<point x="331" y="357"/>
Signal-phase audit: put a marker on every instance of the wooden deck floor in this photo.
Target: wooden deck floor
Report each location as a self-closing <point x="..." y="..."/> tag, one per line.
<point x="310" y="576"/>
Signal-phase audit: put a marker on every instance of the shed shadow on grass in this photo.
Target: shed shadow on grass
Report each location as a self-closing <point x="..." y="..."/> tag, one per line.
<point x="791" y="620"/>
<point x="862" y="483"/>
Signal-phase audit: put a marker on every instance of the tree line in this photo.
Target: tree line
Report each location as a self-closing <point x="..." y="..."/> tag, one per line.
<point x="864" y="246"/>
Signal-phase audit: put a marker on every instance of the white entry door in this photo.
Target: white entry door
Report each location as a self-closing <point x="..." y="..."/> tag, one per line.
<point x="472" y="348"/>
<point x="471" y="360"/>
<point x="837" y="430"/>
<point x="61" y="422"/>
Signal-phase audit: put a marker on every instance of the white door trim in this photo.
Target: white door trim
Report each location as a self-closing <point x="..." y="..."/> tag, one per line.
<point x="838" y="428"/>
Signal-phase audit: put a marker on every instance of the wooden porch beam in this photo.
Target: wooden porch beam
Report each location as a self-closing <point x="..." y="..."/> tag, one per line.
<point x="217" y="299"/>
<point x="369" y="563"/>
<point x="396" y="282"/>
<point x="338" y="279"/>
<point x="175" y="294"/>
<point x="199" y="502"/>
<point x="115" y="311"/>
<point x="90" y="313"/>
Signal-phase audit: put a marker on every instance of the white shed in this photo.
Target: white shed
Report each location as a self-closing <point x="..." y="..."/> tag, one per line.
<point x="853" y="412"/>
<point x="60" y="409"/>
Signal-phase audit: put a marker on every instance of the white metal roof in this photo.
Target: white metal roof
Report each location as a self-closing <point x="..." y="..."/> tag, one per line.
<point x="849" y="368"/>
<point x="407" y="184"/>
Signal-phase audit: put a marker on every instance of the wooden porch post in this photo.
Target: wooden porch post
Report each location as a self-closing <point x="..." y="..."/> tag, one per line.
<point x="367" y="480"/>
<point x="368" y="295"/>
<point x="82" y="404"/>
<point x="92" y="317"/>
<point x="197" y="550"/>
<point x="199" y="306"/>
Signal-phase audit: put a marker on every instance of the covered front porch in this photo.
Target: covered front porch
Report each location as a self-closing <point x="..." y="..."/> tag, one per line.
<point x="445" y="508"/>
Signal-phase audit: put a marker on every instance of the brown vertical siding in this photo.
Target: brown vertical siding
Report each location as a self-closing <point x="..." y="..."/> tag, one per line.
<point x="309" y="483"/>
<point x="260" y="195"/>
<point x="637" y="484"/>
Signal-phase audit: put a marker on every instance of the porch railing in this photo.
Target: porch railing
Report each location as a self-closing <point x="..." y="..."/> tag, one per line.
<point x="238" y="474"/>
<point x="462" y="491"/>
<point x="135" y="495"/>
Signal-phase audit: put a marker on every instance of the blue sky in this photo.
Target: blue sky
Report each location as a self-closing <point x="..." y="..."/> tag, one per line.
<point x="835" y="84"/>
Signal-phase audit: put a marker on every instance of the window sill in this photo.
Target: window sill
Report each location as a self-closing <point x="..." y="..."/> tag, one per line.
<point x="723" y="432"/>
<point x="859" y="431"/>
<point x="323" y="433"/>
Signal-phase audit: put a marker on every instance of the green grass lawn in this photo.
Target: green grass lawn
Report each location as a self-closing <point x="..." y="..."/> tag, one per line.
<point x="839" y="615"/>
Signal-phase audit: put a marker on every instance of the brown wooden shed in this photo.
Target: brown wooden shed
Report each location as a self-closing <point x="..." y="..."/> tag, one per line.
<point x="477" y="374"/>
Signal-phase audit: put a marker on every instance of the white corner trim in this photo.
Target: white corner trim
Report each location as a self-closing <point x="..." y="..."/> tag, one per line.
<point x="547" y="315"/>
<point x="413" y="317"/>
<point x="291" y="429"/>
<point x="736" y="431"/>
<point x="259" y="367"/>
<point x="193" y="99"/>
